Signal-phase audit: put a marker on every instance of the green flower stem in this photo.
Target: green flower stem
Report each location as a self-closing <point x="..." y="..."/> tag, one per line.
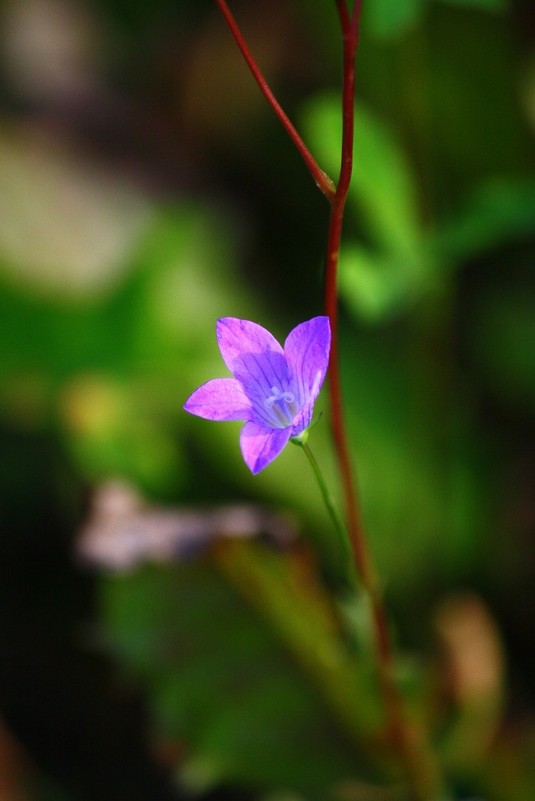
<point x="422" y="768"/>
<point x="344" y="549"/>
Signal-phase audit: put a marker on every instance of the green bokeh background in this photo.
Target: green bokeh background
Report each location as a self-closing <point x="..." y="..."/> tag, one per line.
<point x="145" y="190"/>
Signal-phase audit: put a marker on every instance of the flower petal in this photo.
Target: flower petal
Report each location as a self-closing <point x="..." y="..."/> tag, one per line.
<point x="255" y="358"/>
<point x="307" y="349"/>
<point x="260" y="444"/>
<point x="220" y="399"/>
<point x="238" y="337"/>
<point x="303" y="418"/>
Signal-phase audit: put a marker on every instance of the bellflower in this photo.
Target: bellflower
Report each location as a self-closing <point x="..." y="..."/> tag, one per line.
<point x="273" y="390"/>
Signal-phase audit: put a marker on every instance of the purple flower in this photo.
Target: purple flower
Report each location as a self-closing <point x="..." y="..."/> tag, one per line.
<point x="274" y="389"/>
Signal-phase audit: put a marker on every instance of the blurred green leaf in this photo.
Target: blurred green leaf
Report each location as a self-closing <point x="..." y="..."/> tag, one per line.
<point x="120" y="428"/>
<point x="250" y="704"/>
<point x="177" y="281"/>
<point x="421" y="492"/>
<point x="390" y="18"/>
<point x="503" y="341"/>
<point x="391" y="269"/>
<point x="484" y="5"/>
<point x="113" y="370"/>
<point x="377" y="287"/>
<point x="501" y="211"/>
<point x="383" y="188"/>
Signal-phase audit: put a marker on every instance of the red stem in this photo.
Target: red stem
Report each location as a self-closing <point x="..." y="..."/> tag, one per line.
<point x="322" y="180"/>
<point x="350" y="33"/>
<point x="420" y="763"/>
<point x="331" y="293"/>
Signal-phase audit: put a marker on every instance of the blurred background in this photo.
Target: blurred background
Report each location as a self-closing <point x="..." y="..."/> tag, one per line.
<point x="145" y="190"/>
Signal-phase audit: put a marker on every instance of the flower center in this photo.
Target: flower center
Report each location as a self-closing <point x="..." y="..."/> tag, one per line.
<point x="282" y="407"/>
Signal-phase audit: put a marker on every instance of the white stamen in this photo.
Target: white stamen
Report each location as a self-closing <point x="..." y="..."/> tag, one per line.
<point x="282" y="407"/>
<point x="278" y="396"/>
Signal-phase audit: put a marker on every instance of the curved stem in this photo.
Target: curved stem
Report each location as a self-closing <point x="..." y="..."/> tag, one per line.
<point x="321" y="179"/>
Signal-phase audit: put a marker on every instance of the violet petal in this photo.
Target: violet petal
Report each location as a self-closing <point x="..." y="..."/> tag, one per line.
<point x="303" y="418"/>
<point x="220" y="399"/>
<point x="307" y="349"/>
<point x="260" y="444"/>
<point x="254" y="357"/>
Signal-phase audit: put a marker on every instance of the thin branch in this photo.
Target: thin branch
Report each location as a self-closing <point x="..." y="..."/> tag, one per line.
<point x="350" y="38"/>
<point x="422" y="771"/>
<point x="350" y="31"/>
<point x="421" y="766"/>
<point x="355" y="19"/>
<point x="343" y="13"/>
<point x="321" y="179"/>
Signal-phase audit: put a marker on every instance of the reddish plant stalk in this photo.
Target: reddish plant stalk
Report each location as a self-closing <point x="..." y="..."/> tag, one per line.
<point x="421" y="769"/>
<point x="321" y="179"/>
<point x="420" y="764"/>
<point x="337" y="197"/>
<point x="350" y="33"/>
<point x="350" y="42"/>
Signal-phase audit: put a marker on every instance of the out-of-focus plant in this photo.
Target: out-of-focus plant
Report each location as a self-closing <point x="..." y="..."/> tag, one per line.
<point x="260" y="661"/>
<point x="386" y="195"/>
